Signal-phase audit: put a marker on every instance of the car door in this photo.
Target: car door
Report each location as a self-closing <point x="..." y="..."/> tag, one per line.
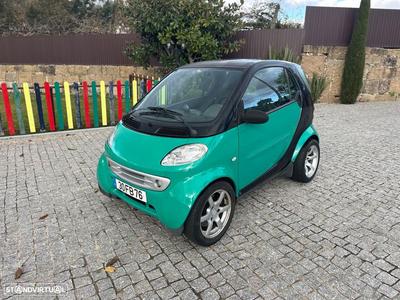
<point x="273" y="91"/>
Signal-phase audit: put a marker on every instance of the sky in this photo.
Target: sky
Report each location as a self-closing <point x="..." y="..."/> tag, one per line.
<point x="296" y="9"/>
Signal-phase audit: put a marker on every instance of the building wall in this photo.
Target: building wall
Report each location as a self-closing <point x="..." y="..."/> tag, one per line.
<point x="71" y="73"/>
<point x="381" y="73"/>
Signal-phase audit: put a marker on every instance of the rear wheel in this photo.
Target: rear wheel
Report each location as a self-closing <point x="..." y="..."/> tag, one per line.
<point x="307" y="162"/>
<point x="211" y="214"/>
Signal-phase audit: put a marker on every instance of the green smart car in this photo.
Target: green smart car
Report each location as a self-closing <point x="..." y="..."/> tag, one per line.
<point x="207" y="134"/>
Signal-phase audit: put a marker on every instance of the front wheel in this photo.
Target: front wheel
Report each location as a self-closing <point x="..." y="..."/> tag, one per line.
<point x="211" y="214"/>
<point x="307" y="162"/>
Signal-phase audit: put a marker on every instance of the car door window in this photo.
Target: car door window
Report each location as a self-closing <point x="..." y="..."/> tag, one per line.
<point x="267" y="90"/>
<point x="293" y="87"/>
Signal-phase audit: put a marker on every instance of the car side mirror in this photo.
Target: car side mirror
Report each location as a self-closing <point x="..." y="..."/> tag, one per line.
<point x="255" y="117"/>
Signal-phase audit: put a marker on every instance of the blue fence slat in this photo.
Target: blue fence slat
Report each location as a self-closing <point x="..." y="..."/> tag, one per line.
<point x="142" y="88"/>
<point x="39" y="106"/>
<point x="77" y="106"/>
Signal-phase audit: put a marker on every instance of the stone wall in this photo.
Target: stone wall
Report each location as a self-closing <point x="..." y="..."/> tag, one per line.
<point x="71" y="73"/>
<point x="381" y="74"/>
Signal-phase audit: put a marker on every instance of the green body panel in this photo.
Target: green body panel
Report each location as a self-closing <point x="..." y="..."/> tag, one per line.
<point x="144" y="153"/>
<point x="309" y="132"/>
<point x="261" y="146"/>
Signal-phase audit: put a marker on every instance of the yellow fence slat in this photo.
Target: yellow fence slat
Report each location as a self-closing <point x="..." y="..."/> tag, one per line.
<point x="68" y="105"/>
<point x="29" y="107"/>
<point x="134" y="92"/>
<point x="103" y="103"/>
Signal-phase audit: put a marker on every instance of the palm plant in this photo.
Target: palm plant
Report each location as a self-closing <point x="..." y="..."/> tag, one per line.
<point x="318" y="84"/>
<point x="283" y="54"/>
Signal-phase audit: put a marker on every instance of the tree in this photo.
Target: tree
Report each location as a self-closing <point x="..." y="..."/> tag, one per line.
<point x="267" y="15"/>
<point x="29" y="17"/>
<point x="207" y="27"/>
<point x="354" y="63"/>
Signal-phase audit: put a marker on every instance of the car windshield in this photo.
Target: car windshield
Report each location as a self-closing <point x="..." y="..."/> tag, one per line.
<point x="190" y="95"/>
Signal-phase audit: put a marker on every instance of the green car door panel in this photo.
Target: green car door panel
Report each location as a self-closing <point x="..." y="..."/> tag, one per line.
<point x="307" y="134"/>
<point x="261" y="146"/>
<point x="172" y="205"/>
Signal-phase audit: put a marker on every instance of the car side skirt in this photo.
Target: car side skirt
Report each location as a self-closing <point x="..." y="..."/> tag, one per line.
<point x="270" y="174"/>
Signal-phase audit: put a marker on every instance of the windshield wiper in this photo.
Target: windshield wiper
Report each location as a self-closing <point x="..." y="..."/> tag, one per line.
<point x="169" y="112"/>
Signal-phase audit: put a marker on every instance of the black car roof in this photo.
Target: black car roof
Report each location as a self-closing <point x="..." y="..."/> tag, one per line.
<point x="237" y="63"/>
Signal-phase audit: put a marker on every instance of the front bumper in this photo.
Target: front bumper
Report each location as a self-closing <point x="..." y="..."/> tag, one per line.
<point x="171" y="231"/>
<point x="171" y="206"/>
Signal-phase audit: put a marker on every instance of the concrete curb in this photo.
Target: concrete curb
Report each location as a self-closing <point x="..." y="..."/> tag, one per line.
<point x="52" y="133"/>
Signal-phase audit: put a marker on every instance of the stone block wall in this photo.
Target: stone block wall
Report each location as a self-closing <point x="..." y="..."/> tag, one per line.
<point x="381" y="73"/>
<point x="71" y="73"/>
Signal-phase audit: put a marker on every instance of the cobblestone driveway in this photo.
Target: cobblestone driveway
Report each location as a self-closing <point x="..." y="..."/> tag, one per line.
<point x="337" y="237"/>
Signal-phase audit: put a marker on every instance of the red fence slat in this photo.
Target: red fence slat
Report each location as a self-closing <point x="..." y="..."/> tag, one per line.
<point x="86" y="103"/>
<point x="119" y="94"/>
<point x="49" y="106"/>
<point x="148" y="85"/>
<point x="8" y="108"/>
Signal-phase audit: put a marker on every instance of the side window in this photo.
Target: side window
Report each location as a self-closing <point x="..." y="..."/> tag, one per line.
<point x="292" y="86"/>
<point x="304" y="77"/>
<point x="267" y="90"/>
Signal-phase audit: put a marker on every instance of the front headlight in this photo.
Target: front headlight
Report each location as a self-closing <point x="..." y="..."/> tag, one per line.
<point x="110" y="139"/>
<point x="184" y="155"/>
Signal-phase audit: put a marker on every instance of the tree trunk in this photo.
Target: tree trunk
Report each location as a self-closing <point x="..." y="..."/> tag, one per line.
<point x="275" y="17"/>
<point x="191" y="60"/>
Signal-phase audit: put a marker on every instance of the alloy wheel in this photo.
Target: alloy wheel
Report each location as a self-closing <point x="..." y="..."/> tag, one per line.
<point x="215" y="214"/>
<point x="311" y="162"/>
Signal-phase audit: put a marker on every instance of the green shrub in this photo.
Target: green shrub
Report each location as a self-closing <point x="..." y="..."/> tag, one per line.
<point x="283" y="54"/>
<point x="318" y="84"/>
<point x="355" y="57"/>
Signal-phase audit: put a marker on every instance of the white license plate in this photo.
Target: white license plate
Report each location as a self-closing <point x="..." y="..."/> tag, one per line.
<point x="130" y="190"/>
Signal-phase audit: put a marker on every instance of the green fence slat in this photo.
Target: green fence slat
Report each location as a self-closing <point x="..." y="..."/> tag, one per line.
<point x="18" y="109"/>
<point x="59" y="106"/>
<point x="127" y="106"/>
<point x="95" y="109"/>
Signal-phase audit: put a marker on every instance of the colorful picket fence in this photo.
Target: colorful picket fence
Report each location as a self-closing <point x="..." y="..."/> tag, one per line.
<point x="61" y="109"/>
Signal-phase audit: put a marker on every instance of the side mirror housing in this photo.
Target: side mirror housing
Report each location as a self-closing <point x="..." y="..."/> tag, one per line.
<point x="255" y="117"/>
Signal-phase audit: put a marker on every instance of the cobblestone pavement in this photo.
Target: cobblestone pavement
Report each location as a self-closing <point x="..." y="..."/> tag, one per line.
<point x="337" y="237"/>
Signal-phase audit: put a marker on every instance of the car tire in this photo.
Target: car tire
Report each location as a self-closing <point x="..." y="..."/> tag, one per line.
<point x="211" y="214"/>
<point x="307" y="162"/>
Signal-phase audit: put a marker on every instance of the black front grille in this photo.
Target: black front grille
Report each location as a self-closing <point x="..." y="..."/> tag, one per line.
<point x="178" y="132"/>
<point x="128" y="122"/>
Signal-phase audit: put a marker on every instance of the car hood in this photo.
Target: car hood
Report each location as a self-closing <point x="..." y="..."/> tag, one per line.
<point x="140" y="151"/>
